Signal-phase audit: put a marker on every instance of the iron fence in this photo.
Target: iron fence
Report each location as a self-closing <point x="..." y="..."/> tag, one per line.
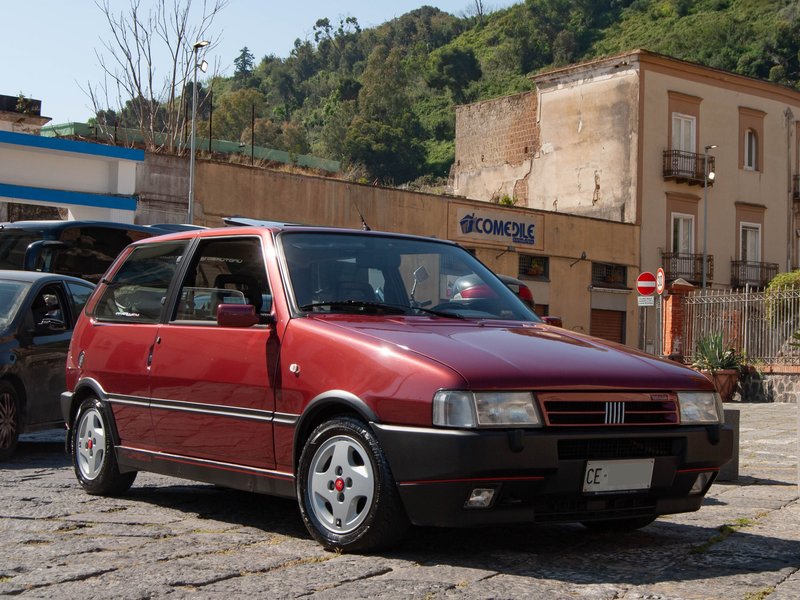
<point x="687" y="166"/>
<point x="758" y="323"/>
<point x="757" y="274"/>
<point x="687" y="266"/>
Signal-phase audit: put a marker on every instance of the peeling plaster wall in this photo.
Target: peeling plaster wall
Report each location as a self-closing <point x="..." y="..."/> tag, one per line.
<point x="588" y="128"/>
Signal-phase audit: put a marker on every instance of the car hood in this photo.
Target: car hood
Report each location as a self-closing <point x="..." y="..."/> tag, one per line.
<point x="522" y="355"/>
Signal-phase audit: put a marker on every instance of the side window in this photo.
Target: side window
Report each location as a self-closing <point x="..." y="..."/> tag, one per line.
<point x="137" y="291"/>
<point x="80" y="295"/>
<point x="223" y="271"/>
<point x="750" y="150"/>
<point x="91" y="250"/>
<point x="49" y="316"/>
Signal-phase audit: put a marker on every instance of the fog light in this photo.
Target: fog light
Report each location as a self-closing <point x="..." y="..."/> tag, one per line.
<point x="700" y="483"/>
<point x="480" y="498"/>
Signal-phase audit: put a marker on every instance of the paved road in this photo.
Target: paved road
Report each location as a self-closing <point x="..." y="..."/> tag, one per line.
<point x="169" y="538"/>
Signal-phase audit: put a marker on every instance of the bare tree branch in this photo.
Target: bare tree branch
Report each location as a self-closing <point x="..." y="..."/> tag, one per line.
<point x="148" y="62"/>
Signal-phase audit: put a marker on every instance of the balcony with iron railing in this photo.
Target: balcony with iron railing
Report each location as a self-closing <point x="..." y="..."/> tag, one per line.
<point x="687" y="167"/>
<point x="686" y="266"/>
<point x="755" y="274"/>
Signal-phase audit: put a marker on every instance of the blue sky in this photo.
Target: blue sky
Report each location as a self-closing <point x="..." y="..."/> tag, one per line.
<point x="48" y="48"/>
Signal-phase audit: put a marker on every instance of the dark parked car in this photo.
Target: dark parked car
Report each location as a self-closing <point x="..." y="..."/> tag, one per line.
<point x="37" y="316"/>
<point x="82" y="249"/>
<point x="338" y="368"/>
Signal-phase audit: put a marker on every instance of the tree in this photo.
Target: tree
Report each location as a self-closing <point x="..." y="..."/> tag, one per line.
<point x="243" y="64"/>
<point x="233" y="114"/>
<point x="387" y="151"/>
<point x="454" y="69"/>
<point x="384" y="137"/>
<point x="131" y="61"/>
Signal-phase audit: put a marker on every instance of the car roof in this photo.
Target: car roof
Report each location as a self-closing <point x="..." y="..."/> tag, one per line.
<point x="276" y="228"/>
<point x="36" y="276"/>
<point x="55" y="225"/>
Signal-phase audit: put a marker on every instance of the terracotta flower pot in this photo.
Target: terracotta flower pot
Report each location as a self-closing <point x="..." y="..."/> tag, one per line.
<point x="725" y="382"/>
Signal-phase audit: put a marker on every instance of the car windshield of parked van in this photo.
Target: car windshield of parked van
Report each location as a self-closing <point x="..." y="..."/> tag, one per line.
<point x="13" y="244"/>
<point x="378" y="274"/>
<point x="11" y="295"/>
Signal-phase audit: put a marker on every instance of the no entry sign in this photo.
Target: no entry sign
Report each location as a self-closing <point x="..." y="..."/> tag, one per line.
<point x="646" y="284"/>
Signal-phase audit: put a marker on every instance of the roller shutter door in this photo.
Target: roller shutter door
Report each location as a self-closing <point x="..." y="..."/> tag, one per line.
<point x="608" y="324"/>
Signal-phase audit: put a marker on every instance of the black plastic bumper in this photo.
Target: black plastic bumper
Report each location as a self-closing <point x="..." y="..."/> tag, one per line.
<point x="538" y="475"/>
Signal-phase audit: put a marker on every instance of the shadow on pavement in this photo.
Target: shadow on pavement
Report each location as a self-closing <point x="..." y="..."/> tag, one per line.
<point x="566" y="552"/>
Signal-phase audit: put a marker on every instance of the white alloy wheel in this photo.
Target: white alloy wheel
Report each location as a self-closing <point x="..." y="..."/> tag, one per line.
<point x="342" y="484"/>
<point x="90" y="444"/>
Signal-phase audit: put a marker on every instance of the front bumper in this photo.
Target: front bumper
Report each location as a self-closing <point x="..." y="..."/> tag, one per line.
<point x="538" y="475"/>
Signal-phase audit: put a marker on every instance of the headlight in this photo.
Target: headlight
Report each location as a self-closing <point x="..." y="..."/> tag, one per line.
<point x="485" y="409"/>
<point x="700" y="408"/>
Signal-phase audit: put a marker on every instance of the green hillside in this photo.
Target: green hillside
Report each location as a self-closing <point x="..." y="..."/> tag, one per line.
<point x="381" y="100"/>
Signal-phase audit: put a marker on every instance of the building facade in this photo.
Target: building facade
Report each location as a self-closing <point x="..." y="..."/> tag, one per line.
<point x="703" y="160"/>
<point x="86" y="180"/>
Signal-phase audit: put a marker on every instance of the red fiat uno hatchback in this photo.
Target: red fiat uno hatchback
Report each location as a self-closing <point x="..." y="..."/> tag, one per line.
<point x="339" y="368"/>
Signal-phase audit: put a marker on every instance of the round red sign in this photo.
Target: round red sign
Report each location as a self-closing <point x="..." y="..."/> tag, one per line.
<point x="646" y="284"/>
<point x="660" y="281"/>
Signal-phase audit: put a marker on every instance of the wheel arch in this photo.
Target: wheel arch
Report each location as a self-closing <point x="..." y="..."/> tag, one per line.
<point x="87" y="388"/>
<point x="334" y="403"/>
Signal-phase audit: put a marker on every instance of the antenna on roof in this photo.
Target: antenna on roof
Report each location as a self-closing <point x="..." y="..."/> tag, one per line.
<point x="364" y="225"/>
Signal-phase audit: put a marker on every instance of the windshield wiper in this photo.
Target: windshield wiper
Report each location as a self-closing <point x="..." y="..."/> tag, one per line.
<point x="389" y="308"/>
<point x="395" y="309"/>
<point x="439" y="313"/>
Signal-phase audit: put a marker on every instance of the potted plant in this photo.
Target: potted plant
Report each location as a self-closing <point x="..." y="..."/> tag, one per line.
<point x="722" y="365"/>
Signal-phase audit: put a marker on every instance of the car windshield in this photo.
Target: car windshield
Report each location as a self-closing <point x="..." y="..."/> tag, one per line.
<point x="11" y="295"/>
<point x="377" y="274"/>
<point x="13" y="243"/>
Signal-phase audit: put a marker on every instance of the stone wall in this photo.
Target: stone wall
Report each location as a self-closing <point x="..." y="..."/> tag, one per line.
<point x="775" y="384"/>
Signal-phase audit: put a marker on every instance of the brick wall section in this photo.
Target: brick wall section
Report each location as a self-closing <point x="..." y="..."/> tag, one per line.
<point x="496" y="132"/>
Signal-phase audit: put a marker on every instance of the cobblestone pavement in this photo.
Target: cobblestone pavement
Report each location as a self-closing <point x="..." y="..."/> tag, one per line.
<point x="176" y="539"/>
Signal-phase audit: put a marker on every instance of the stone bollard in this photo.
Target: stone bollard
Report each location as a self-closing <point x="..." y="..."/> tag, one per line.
<point x="730" y="470"/>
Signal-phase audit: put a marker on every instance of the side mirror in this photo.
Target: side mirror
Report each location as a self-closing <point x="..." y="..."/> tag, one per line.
<point x="236" y="315"/>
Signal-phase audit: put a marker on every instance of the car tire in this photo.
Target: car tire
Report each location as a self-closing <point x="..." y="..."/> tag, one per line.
<point x="10" y="411"/>
<point x="618" y="525"/>
<point x="93" y="455"/>
<point x="347" y="495"/>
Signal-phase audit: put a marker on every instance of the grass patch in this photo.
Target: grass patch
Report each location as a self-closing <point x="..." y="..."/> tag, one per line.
<point x="727" y="530"/>
<point x="760" y="594"/>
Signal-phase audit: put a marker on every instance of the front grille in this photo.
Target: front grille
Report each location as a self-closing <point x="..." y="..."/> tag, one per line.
<point x="566" y="509"/>
<point x="594" y="449"/>
<point x="576" y="409"/>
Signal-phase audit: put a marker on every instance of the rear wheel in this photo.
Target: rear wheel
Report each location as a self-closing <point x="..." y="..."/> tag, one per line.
<point x="618" y="525"/>
<point x="93" y="452"/>
<point x="347" y="495"/>
<point x="10" y="425"/>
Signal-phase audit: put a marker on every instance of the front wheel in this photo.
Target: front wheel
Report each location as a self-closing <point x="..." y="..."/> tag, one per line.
<point x="9" y="419"/>
<point x="93" y="452"/>
<point x="347" y="495"/>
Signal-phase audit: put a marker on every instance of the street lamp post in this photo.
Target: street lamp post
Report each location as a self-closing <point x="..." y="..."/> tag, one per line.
<point x="195" y="48"/>
<point x="706" y="177"/>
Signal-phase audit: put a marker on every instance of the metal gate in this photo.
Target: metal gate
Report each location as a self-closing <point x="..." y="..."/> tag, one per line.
<point x="761" y="324"/>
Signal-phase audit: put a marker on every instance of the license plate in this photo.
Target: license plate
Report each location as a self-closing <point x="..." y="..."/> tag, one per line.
<point x="617" y="475"/>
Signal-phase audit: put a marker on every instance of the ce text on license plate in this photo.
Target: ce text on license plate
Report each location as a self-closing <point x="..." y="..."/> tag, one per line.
<point x="617" y="475"/>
